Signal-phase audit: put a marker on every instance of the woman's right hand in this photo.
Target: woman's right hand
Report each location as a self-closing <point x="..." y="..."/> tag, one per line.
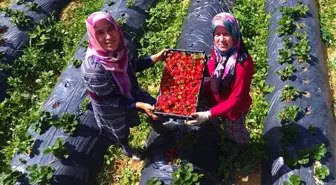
<point x="148" y="109"/>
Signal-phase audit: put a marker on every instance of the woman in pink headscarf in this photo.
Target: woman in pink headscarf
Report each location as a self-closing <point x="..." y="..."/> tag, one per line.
<point x="111" y="83"/>
<point x="230" y="70"/>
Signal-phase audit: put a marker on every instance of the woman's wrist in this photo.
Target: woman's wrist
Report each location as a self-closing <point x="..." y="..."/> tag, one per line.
<point x="138" y="105"/>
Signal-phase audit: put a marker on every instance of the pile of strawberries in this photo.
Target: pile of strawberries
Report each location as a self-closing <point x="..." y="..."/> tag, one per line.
<point x="180" y="83"/>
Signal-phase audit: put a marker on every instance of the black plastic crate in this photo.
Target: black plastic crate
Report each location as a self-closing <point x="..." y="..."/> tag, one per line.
<point x="179" y="116"/>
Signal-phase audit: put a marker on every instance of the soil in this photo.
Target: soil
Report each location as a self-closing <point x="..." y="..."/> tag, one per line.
<point x="253" y="179"/>
<point x="5" y="3"/>
<point x="68" y="12"/>
<point x="332" y="76"/>
<point x="122" y="163"/>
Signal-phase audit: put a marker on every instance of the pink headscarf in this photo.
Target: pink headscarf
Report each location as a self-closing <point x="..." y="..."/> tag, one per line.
<point x="118" y="62"/>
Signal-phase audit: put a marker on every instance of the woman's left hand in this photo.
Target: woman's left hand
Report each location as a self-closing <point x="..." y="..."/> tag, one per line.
<point x="200" y="117"/>
<point x="158" y="56"/>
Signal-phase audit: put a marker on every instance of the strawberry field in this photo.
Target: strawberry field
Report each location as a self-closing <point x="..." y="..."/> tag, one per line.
<point x="51" y="51"/>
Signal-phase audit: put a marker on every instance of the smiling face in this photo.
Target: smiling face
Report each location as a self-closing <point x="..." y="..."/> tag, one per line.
<point x="107" y="35"/>
<point x="223" y="39"/>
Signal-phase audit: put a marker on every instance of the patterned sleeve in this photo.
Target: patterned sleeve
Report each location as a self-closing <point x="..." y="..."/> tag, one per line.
<point x="99" y="81"/>
<point x="141" y="64"/>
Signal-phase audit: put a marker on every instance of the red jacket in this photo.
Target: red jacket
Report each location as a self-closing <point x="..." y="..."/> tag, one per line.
<point x="235" y="99"/>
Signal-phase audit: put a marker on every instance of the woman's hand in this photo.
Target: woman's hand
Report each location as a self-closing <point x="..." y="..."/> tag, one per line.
<point x="200" y="117"/>
<point x="158" y="56"/>
<point x="147" y="108"/>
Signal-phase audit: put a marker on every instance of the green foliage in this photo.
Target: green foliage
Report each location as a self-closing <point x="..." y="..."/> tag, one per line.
<point x="285" y="56"/>
<point x="312" y="129"/>
<point x="287" y="72"/>
<point x="59" y="149"/>
<point x="67" y="122"/>
<point x="19" y="18"/>
<point x="294" y="180"/>
<point x="40" y="174"/>
<point x="321" y="172"/>
<point x="185" y="175"/>
<point x="319" y="151"/>
<point x="129" y="177"/>
<point x="112" y="153"/>
<point x="44" y="122"/>
<point x="289" y="93"/>
<point x="77" y="63"/>
<point x="33" y="6"/>
<point x="288" y="114"/>
<point x="154" y="181"/>
<point x="327" y="20"/>
<point x="12" y="177"/>
<point x="289" y="134"/>
<point x="84" y="105"/>
<point x="130" y="3"/>
<point x="19" y="2"/>
<point x="286" y="25"/>
<point x="302" y="48"/>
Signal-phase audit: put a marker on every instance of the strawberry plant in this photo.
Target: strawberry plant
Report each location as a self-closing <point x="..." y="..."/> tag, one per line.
<point x="129" y="176"/>
<point x="67" y="122"/>
<point x="77" y="63"/>
<point x="154" y="181"/>
<point x="12" y="177"/>
<point x="304" y="156"/>
<point x="59" y="149"/>
<point x="130" y="3"/>
<point x="285" y="56"/>
<point x="287" y="72"/>
<point x="40" y="175"/>
<point x="302" y="48"/>
<point x="43" y="124"/>
<point x="312" y="129"/>
<point x="19" y="18"/>
<point x="286" y="25"/>
<point x="25" y="145"/>
<point x="182" y="77"/>
<point x="84" y="105"/>
<point x="289" y="93"/>
<point x="112" y="153"/>
<point x="321" y="172"/>
<point x="19" y="2"/>
<point x="289" y="134"/>
<point x="185" y="175"/>
<point x="288" y="114"/>
<point x="319" y="151"/>
<point x="300" y="10"/>
<point x="122" y="22"/>
<point x="33" y="6"/>
<point x="84" y="44"/>
<point x="294" y="180"/>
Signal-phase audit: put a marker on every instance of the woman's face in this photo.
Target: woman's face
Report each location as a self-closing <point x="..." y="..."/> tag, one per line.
<point x="223" y="39"/>
<point x="107" y="35"/>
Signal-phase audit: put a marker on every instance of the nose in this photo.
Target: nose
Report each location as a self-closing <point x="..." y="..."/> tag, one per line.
<point x="107" y="36"/>
<point x="221" y="38"/>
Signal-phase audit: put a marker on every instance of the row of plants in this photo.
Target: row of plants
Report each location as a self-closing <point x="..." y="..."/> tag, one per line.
<point x="18" y="17"/>
<point x="33" y="76"/>
<point x="289" y="26"/>
<point x="327" y="12"/>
